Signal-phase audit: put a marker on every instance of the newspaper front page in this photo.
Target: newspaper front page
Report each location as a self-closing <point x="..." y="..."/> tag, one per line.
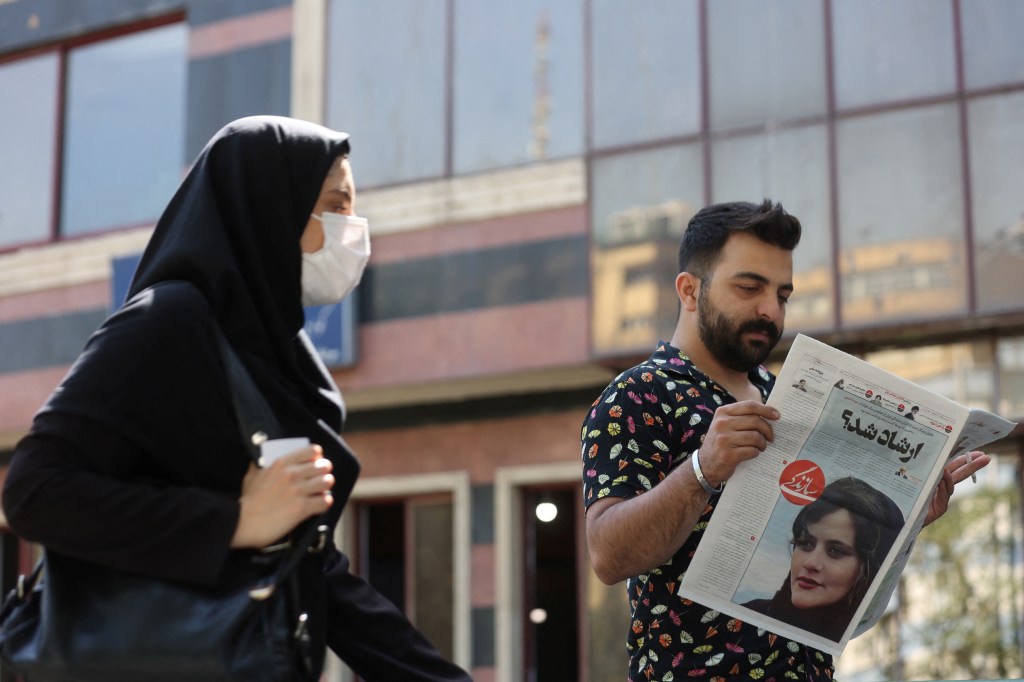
<point x="841" y="419"/>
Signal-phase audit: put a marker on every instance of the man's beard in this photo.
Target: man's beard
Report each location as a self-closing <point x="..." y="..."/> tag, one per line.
<point x="724" y="337"/>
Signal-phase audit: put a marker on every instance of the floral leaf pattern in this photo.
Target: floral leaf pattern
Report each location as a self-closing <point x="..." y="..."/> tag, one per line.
<point x="644" y="425"/>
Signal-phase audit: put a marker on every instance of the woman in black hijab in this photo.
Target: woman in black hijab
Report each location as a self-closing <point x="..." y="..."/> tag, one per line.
<point x="839" y="543"/>
<point x="136" y="462"/>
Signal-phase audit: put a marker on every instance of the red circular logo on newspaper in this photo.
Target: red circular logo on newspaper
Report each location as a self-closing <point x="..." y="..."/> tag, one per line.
<point x="802" y="482"/>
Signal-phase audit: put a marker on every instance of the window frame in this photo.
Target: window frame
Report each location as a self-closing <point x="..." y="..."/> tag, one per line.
<point x="509" y="483"/>
<point x="457" y="485"/>
<point x="62" y="49"/>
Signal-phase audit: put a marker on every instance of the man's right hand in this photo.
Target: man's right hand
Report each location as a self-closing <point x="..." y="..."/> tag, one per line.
<point x="630" y="536"/>
<point x="738" y="432"/>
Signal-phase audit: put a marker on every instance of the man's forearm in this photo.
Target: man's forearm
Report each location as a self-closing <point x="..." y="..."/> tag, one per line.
<point x="628" y="537"/>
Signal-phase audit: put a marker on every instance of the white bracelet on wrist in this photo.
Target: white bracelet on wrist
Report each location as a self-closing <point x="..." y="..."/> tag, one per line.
<point x="708" y="488"/>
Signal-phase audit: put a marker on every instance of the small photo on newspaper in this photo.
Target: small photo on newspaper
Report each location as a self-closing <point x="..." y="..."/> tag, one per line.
<point x="809" y="538"/>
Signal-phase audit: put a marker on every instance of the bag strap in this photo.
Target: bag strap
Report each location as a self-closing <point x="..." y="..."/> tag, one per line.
<point x="255" y="418"/>
<point x="257" y="422"/>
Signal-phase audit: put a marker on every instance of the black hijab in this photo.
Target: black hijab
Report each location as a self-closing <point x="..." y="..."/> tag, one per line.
<point x="233" y="228"/>
<point x="225" y="255"/>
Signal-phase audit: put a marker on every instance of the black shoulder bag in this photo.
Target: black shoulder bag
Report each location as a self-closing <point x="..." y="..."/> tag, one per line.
<point x="73" y="620"/>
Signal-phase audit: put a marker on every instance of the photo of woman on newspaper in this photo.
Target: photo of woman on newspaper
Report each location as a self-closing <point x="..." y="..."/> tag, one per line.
<point x="839" y="542"/>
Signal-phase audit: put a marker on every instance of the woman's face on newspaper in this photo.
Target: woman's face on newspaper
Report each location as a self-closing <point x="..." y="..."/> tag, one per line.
<point x="825" y="565"/>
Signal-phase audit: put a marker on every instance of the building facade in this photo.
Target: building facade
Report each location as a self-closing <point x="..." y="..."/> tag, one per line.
<point x="527" y="169"/>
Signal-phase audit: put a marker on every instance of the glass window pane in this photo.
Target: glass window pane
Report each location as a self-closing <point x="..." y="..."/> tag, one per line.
<point x="646" y="70"/>
<point x="386" y="86"/>
<point x="117" y="175"/>
<point x="518" y="82"/>
<point x="606" y="610"/>
<point x="433" y="573"/>
<point x="382" y="554"/>
<point x="901" y="215"/>
<point x="963" y="372"/>
<point x="28" y="128"/>
<point x="550" y="586"/>
<point x="993" y="49"/>
<point x="1010" y="356"/>
<point x="641" y="203"/>
<point x="887" y="51"/>
<point x="791" y="167"/>
<point x="997" y="169"/>
<point x="766" y="61"/>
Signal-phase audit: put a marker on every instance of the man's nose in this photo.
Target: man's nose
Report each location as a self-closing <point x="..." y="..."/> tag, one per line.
<point x="770" y="308"/>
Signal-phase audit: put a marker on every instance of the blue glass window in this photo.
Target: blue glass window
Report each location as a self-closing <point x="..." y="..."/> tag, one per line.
<point x="28" y="129"/>
<point x="118" y="175"/>
<point x="386" y="86"/>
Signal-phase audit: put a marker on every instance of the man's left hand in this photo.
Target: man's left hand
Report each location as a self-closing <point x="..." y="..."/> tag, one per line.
<point x="958" y="469"/>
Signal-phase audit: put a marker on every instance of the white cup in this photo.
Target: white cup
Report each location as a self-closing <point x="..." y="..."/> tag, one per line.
<point x="273" y="450"/>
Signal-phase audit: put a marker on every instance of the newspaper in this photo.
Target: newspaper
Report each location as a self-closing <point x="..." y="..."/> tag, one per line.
<point x="840" y="417"/>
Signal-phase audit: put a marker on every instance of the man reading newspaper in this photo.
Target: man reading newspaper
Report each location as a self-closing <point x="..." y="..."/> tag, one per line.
<point x="664" y="437"/>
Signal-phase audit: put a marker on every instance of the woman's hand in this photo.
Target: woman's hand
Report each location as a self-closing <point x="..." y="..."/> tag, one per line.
<point x="277" y="499"/>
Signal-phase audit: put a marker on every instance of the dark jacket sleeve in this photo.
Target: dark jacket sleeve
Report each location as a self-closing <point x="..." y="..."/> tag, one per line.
<point x="374" y="638"/>
<point x="55" y="495"/>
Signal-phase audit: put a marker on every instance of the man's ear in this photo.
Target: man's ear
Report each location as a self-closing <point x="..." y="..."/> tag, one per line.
<point x="687" y="287"/>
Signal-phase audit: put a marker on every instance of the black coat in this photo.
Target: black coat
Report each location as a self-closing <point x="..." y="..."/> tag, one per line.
<point x="136" y="461"/>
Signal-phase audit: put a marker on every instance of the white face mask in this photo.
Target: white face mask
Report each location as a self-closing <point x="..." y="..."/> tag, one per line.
<point x="330" y="274"/>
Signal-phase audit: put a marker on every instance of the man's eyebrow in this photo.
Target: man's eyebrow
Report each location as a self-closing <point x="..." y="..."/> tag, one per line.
<point x="758" y="277"/>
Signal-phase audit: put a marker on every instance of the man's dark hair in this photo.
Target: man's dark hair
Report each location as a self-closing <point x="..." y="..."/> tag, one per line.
<point x="712" y="226"/>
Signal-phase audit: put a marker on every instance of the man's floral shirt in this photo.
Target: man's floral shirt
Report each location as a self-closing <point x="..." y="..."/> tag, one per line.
<point x="648" y="421"/>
